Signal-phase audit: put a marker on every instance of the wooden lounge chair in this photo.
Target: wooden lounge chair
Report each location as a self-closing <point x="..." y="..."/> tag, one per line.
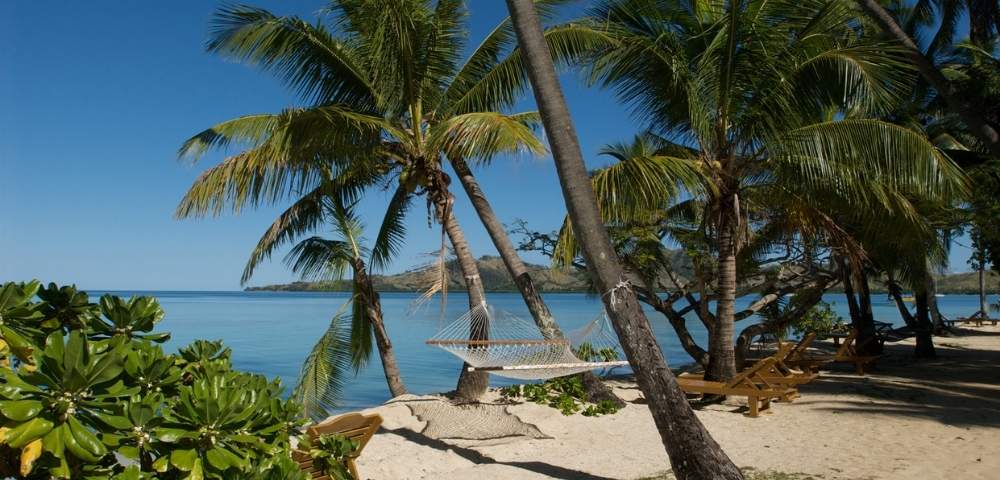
<point x="785" y="375"/>
<point x="777" y="374"/>
<point x="750" y="383"/>
<point x="847" y="352"/>
<point x="354" y="426"/>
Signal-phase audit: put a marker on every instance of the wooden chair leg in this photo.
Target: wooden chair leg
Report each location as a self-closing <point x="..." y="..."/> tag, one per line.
<point x="353" y="468"/>
<point x="754" y="410"/>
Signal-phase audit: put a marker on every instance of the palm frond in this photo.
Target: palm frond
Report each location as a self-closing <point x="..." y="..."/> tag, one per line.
<point x="305" y="215"/>
<point x="482" y="135"/>
<point x="325" y="370"/>
<point x="321" y="258"/>
<point x="321" y="68"/>
<point x="392" y="232"/>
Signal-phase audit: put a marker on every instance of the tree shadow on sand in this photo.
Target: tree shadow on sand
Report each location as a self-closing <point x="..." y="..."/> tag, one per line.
<point x="960" y="387"/>
<point x="478" y="458"/>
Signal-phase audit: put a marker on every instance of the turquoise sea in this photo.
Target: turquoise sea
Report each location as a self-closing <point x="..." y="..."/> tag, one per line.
<point x="271" y="332"/>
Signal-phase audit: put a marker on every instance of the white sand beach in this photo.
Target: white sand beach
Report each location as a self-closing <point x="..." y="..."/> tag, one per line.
<point x="907" y="419"/>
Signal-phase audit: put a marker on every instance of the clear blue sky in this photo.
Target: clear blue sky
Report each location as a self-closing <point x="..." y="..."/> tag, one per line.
<point x="95" y="98"/>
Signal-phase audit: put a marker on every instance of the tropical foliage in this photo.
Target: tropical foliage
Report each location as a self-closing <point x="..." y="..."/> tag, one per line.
<point x="387" y="102"/>
<point x="765" y="132"/>
<point x="87" y="393"/>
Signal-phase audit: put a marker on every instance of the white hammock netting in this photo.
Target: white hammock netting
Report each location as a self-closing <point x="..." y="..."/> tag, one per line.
<point x="507" y="345"/>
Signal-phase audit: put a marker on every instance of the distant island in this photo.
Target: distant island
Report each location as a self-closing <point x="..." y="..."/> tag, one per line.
<point x="491" y="270"/>
<point x="496" y="279"/>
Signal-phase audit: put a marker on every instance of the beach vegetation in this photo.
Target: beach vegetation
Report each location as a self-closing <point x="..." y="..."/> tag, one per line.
<point x="387" y="103"/>
<point x="87" y="393"/>
<point x="566" y="394"/>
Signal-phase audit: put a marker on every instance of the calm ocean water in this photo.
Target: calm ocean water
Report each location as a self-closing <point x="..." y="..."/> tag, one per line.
<point x="271" y="332"/>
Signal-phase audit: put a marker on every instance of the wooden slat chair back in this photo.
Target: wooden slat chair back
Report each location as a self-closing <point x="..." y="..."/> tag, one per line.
<point x="847" y="352"/>
<point x="750" y="383"/>
<point x="784" y="374"/>
<point x="799" y="351"/>
<point x="354" y="426"/>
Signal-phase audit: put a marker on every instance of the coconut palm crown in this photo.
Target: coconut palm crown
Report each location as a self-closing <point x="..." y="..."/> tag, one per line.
<point x="756" y="105"/>
<point x="387" y="100"/>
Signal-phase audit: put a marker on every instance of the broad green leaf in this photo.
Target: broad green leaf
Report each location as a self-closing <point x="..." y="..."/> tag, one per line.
<point x="20" y="410"/>
<point x="24" y="433"/>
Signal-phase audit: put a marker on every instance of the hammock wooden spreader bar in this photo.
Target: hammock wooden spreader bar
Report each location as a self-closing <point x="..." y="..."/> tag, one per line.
<point x="557" y="341"/>
<point x="587" y="365"/>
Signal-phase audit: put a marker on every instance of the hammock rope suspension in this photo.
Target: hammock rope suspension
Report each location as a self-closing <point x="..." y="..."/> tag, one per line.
<point x="507" y="345"/>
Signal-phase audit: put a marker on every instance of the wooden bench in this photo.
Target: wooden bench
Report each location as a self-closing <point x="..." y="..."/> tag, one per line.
<point x="354" y="426"/>
<point x="750" y="383"/>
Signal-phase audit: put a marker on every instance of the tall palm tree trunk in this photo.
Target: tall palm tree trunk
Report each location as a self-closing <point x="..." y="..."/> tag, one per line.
<point x="982" y="290"/>
<point x="471" y="385"/>
<point x="546" y="322"/>
<point x="925" y="329"/>
<point x="866" y="327"/>
<point x="721" y="351"/>
<point x="385" y="352"/>
<point x="693" y="453"/>
<point x="956" y="100"/>
<point x="539" y="310"/>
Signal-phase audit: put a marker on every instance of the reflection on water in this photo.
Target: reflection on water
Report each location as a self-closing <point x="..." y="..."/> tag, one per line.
<point x="271" y="332"/>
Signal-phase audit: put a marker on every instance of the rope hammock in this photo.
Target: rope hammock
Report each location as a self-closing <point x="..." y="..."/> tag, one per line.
<point x="504" y="344"/>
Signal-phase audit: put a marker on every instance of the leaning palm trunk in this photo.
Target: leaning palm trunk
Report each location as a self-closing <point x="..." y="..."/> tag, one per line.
<point x="596" y="390"/>
<point x="370" y="297"/>
<point x="693" y="453"/>
<point x="721" y="352"/>
<point x="982" y="291"/>
<point x="925" y="329"/>
<point x="956" y="100"/>
<point x="471" y="385"/>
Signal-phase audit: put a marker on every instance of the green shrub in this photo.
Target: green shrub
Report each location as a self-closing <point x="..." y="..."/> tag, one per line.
<point x="86" y="393"/>
<point x="820" y="319"/>
<point x="566" y="394"/>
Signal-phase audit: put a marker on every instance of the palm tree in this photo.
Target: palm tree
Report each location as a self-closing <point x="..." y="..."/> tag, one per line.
<point x="693" y="453"/>
<point x="387" y="103"/>
<point x="318" y="258"/>
<point x="767" y="102"/>
<point x="961" y="102"/>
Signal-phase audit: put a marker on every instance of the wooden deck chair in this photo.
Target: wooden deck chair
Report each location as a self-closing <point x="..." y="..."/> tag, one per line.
<point x="776" y="374"/>
<point x="785" y="375"/>
<point x="758" y="389"/>
<point x="354" y="426"/>
<point x="848" y="352"/>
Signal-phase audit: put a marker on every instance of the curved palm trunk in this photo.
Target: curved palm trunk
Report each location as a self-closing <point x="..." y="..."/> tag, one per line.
<point x="925" y="329"/>
<point x="964" y="107"/>
<point x="371" y="298"/>
<point x="896" y="292"/>
<point x="693" y="453"/>
<point x="721" y="351"/>
<point x="596" y="390"/>
<point x="471" y="385"/>
<point x="982" y="290"/>
<point x="539" y="310"/>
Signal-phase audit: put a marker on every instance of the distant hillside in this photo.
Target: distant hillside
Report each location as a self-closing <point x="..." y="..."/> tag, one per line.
<point x="491" y="270"/>
<point x="496" y="279"/>
<point x="967" y="282"/>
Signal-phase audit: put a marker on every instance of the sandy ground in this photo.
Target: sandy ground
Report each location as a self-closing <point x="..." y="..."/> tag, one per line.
<point x="907" y="419"/>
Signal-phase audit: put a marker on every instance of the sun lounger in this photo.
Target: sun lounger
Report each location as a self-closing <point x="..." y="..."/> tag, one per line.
<point x="847" y="352"/>
<point x="778" y="374"/>
<point x="750" y="383"/>
<point x="354" y="426"/>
